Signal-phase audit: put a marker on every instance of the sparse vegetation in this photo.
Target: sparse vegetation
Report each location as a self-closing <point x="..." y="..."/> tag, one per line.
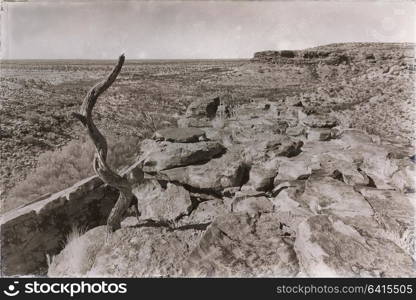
<point x="60" y="169"/>
<point x="79" y="252"/>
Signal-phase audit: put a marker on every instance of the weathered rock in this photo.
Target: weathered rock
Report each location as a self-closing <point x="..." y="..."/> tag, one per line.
<point x="299" y="167"/>
<point x="200" y="113"/>
<point x="261" y="174"/>
<point x="180" y="135"/>
<point x="284" y="147"/>
<point x="266" y="147"/>
<point x="330" y="196"/>
<point x="203" y="108"/>
<point x="328" y="247"/>
<point x="297" y="130"/>
<point x="404" y="178"/>
<point x="157" y="156"/>
<point x="251" y="203"/>
<point x="205" y="213"/>
<point x="319" y="134"/>
<point x="227" y="171"/>
<point x="239" y="245"/>
<point x="379" y="168"/>
<point x="320" y="121"/>
<point x="32" y="231"/>
<point x="143" y="252"/>
<point x="394" y="211"/>
<point x="162" y="203"/>
<point x="333" y="164"/>
<point x="289" y="205"/>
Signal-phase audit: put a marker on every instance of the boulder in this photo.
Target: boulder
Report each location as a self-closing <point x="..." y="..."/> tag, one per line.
<point x="299" y="167"/>
<point x="261" y="174"/>
<point x="341" y="167"/>
<point x="319" y="134"/>
<point x="200" y="113"/>
<point x="203" y="108"/>
<point x="226" y="171"/>
<point x="156" y="156"/>
<point x="162" y="203"/>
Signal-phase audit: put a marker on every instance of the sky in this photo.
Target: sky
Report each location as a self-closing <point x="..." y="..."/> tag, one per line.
<point x="194" y="29"/>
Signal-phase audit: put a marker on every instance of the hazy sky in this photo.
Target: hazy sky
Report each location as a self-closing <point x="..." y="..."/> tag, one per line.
<point x="191" y="29"/>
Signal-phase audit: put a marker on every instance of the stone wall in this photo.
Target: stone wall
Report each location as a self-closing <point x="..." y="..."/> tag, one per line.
<point x="30" y="232"/>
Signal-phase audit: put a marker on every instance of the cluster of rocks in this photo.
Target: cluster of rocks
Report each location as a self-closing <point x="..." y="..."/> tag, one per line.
<point x="273" y="190"/>
<point x="335" y="54"/>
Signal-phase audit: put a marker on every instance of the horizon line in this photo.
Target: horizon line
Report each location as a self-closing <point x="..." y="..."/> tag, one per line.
<point x="111" y="59"/>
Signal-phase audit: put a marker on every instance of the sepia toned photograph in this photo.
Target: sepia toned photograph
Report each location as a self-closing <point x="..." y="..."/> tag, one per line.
<point x="243" y="139"/>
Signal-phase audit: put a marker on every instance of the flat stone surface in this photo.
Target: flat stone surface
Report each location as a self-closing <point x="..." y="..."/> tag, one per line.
<point x="137" y="252"/>
<point x="157" y="156"/>
<point x="180" y="135"/>
<point x="327" y="247"/>
<point x="239" y="245"/>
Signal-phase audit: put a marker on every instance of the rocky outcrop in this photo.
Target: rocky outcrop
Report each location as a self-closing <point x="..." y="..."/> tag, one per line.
<point x="30" y="233"/>
<point x="163" y="203"/>
<point x="200" y="113"/>
<point x="329" y="201"/>
<point x="335" y="54"/>
<point x="262" y="188"/>
<point x="158" y="156"/>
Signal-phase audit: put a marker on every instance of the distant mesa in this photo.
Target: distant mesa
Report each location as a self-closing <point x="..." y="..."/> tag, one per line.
<point x="334" y="54"/>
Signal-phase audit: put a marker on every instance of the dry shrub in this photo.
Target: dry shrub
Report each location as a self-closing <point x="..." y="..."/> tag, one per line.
<point x="57" y="170"/>
<point x="147" y="123"/>
<point x="78" y="253"/>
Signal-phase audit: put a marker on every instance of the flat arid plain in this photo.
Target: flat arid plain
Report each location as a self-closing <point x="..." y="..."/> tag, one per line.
<point x="292" y="163"/>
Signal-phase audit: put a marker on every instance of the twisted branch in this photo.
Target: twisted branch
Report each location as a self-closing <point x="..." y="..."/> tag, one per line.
<point x="100" y="165"/>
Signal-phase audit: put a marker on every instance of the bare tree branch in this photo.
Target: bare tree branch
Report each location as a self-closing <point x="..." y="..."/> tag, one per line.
<point x="100" y="165"/>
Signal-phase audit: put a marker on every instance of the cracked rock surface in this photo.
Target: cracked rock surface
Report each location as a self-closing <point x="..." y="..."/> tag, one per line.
<point x="276" y="187"/>
<point x="337" y="203"/>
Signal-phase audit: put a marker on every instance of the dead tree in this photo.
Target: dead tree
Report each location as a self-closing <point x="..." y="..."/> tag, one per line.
<point x="100" y="165"/>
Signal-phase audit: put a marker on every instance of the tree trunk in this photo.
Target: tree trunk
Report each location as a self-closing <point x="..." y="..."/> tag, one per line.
<point x="100" y="165"/>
